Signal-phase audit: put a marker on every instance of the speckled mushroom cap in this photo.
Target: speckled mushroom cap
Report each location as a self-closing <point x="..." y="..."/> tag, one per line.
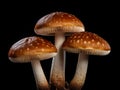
<point x="58" y="22"/>
<point x="31" y="48"/>
<point x="88" y="43"/>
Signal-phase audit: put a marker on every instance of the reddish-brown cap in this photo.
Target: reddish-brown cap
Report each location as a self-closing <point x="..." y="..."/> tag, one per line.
<point x="58" y="22"/>
<point x="87" y="42"/>
<point x="31" y="48"/>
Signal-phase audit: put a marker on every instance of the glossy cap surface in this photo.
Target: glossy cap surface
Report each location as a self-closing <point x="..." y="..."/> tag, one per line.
<point x="31" y="48"/>
<point x="58" y="22"/>
<point x="88" y="43"/>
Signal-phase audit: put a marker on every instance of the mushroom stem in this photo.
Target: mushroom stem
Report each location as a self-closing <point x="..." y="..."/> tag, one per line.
<point x="80" y="75"/>
<point x="41" y="81"/>
<point x="57" y="75"/>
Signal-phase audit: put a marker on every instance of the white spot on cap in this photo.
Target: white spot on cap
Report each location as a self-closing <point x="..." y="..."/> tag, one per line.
<point x="78" y="41"/>
<point x="98" y="43"/>
<point x="85" y="42"/>
<point x="75" y="36"/>
<point x="31" y="44"/>
<point x="57" y="21"/>
<point x="71" y="41"/>
<point x="52" y="47"/>
<point x="28" y="49"/>
<point x="73" y="19"/>
<point x="89" y="42"/>
<point x="87" y="36"/>
<point x="103" y="44"/>
<point x="42" y="49"/>
<point x="69" y="15"/>
<point x="47" y="45"/>
<point x="93" y="40"/>
<point x="81" y="39"/>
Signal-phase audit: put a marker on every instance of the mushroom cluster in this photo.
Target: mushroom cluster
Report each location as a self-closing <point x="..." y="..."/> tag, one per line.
<point x="58" y="24"/>
<point x="34" y="49"/>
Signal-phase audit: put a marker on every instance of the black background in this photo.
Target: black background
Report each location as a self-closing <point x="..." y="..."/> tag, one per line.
<point x="17" y="21"/>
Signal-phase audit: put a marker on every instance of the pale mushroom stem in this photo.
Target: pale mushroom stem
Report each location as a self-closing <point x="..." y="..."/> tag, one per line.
<point x="57" y="75"/>
<point x="41" y="81"/>
<point x="80" y="75"/>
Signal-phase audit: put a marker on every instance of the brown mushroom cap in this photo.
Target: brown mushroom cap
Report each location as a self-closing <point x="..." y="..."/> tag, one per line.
<point x="87" y="42"/>
<point x="58" y="22"/>
<point x="31" y="48"/>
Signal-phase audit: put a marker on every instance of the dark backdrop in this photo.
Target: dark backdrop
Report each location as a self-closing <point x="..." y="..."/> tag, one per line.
<point x="18" y="19"/>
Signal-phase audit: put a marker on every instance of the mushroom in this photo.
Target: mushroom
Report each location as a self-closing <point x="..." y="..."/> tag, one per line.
<point x="84" y="43"/>
<point x="58" y="24"/>
<point x="33" y="49"/>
